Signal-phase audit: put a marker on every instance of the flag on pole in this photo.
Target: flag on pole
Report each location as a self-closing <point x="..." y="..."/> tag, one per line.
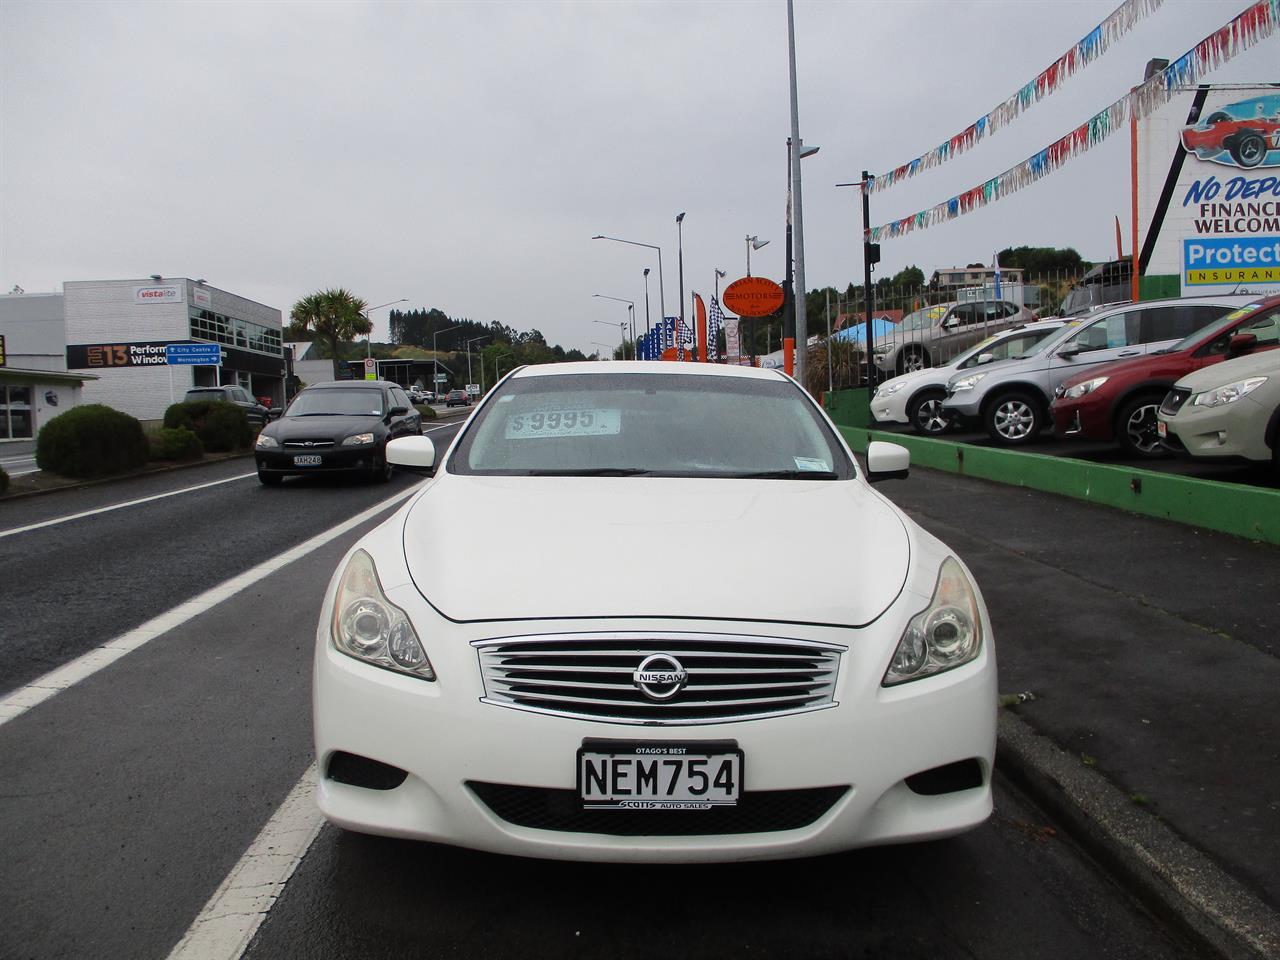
<point x="995" y="262"/>
<point x="715" y="321"/>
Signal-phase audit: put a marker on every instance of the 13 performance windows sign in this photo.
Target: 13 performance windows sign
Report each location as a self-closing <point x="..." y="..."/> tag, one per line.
<point x="1209" y="190"/>
<point x="96" y="356"/>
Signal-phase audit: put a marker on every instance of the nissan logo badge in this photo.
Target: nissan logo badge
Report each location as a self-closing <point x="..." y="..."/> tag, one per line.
<point x="660" y="677"/>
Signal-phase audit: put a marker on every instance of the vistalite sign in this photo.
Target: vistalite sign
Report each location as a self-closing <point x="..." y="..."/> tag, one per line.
<point x="1209" y="191"/>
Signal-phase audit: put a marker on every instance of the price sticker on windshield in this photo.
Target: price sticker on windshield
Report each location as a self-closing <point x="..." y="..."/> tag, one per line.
<point x="541" y="424"/>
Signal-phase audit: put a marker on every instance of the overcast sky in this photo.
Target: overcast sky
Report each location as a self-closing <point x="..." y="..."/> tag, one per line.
<point x="462" y="155"/>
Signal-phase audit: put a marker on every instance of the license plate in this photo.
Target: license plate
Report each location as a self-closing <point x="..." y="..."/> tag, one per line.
<point x="307" y="460"/>
<point x="1162" y="428"/>
<point x="647" y="775"/>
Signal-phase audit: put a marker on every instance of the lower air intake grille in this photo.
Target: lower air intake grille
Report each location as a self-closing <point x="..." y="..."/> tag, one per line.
<point x="763" y="811"/>
<point x="659" y="678"/>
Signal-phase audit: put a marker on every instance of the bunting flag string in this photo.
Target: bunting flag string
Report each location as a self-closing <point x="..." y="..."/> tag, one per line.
<point x="1093" y="45"/>
<point x="1249" y="28"/>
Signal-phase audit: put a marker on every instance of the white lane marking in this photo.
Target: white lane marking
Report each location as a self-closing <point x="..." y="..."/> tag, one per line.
<point x="120" y="506"/>
<point x="55" y="681"/>
<point x="237" y="908"/>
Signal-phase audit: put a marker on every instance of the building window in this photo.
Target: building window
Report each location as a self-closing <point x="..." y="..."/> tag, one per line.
<point x="15" y="412"/>
<point x="234" y="332"/>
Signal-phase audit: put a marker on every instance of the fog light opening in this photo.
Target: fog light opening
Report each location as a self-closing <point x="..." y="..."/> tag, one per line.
<point x="949" y="778"/>
<point x="358" y="771"/>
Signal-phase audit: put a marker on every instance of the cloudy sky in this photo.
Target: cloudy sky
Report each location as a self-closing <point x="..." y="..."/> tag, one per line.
<point x="462" y="155"/>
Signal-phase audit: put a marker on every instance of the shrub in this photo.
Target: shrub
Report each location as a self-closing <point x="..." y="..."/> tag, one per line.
<point x="426" y="411"/>
<point x="221" y="426"/>
<point x="91" y="441"/>
<point x="4" y="481"/>
<point x="176" y="444"/>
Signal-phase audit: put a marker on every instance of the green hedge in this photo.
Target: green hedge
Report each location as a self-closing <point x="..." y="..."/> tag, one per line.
<point x="426" y="411"/>
<point x="221" y="426"/>
<point x="176" y="444"/>
<point x="91" y="441"/>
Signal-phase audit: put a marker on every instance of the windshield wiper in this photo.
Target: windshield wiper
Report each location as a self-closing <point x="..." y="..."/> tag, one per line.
<point x="786" y="475"/>
<point x="593" y="472"/>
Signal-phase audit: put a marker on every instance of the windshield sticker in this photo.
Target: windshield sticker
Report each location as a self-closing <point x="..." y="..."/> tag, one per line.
<point x="933" y="314"/>
<point x="810" y="464"/>
<point x="564" y="423"/>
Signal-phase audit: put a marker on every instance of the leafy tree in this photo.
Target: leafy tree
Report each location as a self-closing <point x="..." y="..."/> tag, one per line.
<point x="1043" y="261"/>
<point x="336" y="315"/>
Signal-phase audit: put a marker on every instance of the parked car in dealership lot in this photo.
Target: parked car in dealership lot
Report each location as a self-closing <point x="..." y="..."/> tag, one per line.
<point x="1118" y="401"/>
<point x="256" y="413"/>
<point x="1230" y="411"/>
<point x="556" y="707"/>
<point x="1010" y="400"/>
<point x="340" y="426"/>
<point x="916" y="397"/>
<point x="936" y="334"/>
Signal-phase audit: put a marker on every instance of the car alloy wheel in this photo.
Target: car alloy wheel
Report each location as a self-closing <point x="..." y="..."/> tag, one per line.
<point x="1138" y="428"/>
<point x="1249" y="149"/>
<point x="911" y="361"/>
<point x="1013" y="419"/>
<point x="927" y="416"/>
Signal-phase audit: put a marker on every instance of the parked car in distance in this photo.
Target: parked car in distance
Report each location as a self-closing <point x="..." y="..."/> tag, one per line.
<point x="1229" y="411"/>
<point x="1118" y="401"/>
<point x="337" y="427"/>
<point x="916" y="397"/>
<point x="255" y="412"/>
<point x="530" y="710"/>
<point x="934" y="335"/>
<point x="1107" y="284"/>
<point x="457" y="398"/>
<point x="1010" y="400"/>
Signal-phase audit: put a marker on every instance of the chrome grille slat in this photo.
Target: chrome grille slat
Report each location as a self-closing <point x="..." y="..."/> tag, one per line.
<point x="590" y="676"/>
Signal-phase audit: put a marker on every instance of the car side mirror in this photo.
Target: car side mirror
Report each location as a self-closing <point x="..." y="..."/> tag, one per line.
<point x="887" y="461"/>
<point x="950" y="323"/>
<point x="415" y="454"/>
<point x="274" y="413"/>
<point x="397" y="411"/>
<point x="985" y="358"/>
<point x="1240" y="344"/>
<point x="1069" y="351"/>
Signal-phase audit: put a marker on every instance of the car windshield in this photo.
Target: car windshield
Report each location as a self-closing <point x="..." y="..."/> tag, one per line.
<point x="650" y="424"/>
<point x="1213" y="329"/>
<point x="923" y="319"/>
<point x="340" y="403"/>
<point x="1013" y="347"/>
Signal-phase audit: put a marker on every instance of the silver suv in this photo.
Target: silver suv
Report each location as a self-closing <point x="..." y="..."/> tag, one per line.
<point x="935" y="335"/>
<point x="1010" y="399"/>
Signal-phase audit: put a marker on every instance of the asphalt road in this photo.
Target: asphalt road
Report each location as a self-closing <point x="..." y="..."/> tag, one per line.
<point x="128" y="797"/>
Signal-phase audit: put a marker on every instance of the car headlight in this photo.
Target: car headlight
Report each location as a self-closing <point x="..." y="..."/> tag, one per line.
<point x="368" y="626"/>
<point x="1227" y="394"/>
<point x="944" y="635"/>
<point x="966" y="383"/>
<point x="889" y="389"/>
<point x="264" y="442"/>
<point x="357" y="439"/>
<point x="1080" y="389"/>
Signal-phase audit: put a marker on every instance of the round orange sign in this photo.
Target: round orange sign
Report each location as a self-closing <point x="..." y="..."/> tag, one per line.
<point x="752" y="297"/>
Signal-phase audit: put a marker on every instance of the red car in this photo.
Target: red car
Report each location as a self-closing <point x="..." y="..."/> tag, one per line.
<point x="1247" y="141"/>
<point x="1118" y="401"/>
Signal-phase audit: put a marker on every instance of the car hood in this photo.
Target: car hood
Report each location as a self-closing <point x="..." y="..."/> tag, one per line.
<point x="515" y="548"/>
<point x="321" y="427"/>
<point x="1260" y="364"/>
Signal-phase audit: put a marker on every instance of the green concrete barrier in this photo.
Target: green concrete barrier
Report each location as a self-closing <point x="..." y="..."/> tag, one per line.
<point x="1243" y="511"/>
<point x="848" y="407"/>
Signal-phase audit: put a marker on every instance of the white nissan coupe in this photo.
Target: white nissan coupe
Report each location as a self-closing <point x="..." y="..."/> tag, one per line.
<point x="693" y="631"/>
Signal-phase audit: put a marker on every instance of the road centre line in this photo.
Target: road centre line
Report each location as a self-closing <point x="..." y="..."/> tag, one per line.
<point x="68" y="675"/>
<point x="237" y="908"/>
<point x="120" y="506"/>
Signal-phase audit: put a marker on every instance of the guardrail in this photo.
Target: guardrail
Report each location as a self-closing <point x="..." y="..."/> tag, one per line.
<point x="1242" y="511"/>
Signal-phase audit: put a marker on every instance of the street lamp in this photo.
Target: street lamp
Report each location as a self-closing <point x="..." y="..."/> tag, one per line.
<point x="795" y="317"/>
<point x="646" y="302"/>
<point x="631" y="307"/>
<point x="720" y="275"/>
<point x="435" y="361"/>
<point x="680" y="253"/>
<point x="368" y="340"/>
<point x="753" y="243"/>
<point x="662" y="301"/>
<point x="797" y="152"/>
<point x="622" y="328"/>
<point x="469" y="343"/>
<point x="607" y="346"/>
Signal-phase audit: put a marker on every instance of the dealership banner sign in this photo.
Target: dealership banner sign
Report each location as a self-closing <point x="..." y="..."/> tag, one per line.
<point x="1209" y="190"/>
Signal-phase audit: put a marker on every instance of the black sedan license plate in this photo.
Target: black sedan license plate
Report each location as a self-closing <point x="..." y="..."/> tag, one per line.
<point x="307" y="460"/>
<point x="649" y="775"/>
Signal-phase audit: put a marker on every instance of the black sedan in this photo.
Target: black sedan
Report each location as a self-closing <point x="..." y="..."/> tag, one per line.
<point x="341" y="426"/>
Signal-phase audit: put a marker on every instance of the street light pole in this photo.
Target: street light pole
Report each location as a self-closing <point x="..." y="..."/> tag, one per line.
<point x="469" y="343"/>
<point x="435" y="375"/>
<point x="662" y="296"/>
<point x="368" y="340"/>
<point x="680" y="252"/>
<point x="646" y="301"/>
<point x="631" y="306"/>
<point x="802" y="325"/>
<point x="622" y="334"/>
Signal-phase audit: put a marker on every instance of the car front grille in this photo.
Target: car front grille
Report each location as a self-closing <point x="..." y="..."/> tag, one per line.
<point x="597" y="676"/>
<point x="761" y="811"/>
<point x="1174" y="400"/>
<point x="308" y="444"/>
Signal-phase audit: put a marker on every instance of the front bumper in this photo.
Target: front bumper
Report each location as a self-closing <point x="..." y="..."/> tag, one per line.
<point x="337" y="459"/>
<point x="964" y="409"/>
<point x="1080" y="418"/>
<point x="454" y="750"/>
<point x="1228" y="432"/>
<point x="891" y="409"/>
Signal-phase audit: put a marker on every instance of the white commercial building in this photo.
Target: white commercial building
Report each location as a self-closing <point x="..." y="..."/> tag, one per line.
<point x="34" y="384"/>
<point x="124" y="332"/>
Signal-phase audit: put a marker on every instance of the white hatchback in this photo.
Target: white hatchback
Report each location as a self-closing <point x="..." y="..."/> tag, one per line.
<point x="692" y="631"/>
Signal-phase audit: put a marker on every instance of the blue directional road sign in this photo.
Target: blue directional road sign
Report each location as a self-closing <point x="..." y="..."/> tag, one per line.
<point x="193" y="354"/>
